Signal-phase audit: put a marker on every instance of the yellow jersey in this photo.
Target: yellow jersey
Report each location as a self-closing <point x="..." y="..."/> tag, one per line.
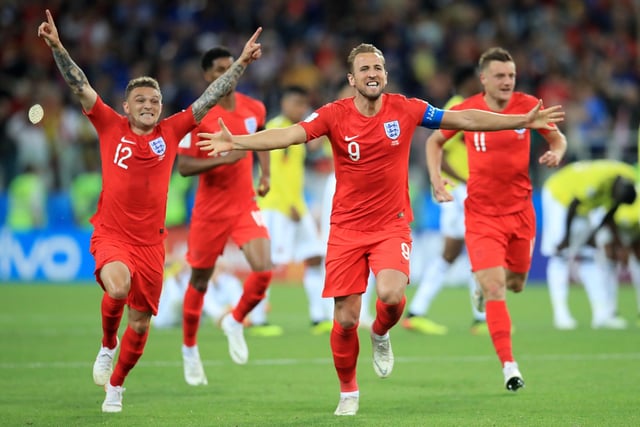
<point x="455" y="151"/>
<point x="590" y="182"/>
<point x="287" y="175"/>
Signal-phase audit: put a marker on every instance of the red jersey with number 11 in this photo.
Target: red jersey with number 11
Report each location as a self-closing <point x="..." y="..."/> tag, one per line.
<point x="499" y="180"/>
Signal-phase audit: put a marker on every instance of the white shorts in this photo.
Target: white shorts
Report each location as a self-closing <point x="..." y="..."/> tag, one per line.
<point x="554" y="225"/>
<point x="290" y="240"/>
<point x="327" y="205"/>
<point x="452" y="214"/>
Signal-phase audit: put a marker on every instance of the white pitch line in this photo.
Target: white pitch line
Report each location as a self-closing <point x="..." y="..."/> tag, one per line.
<point x="327" y="361"/>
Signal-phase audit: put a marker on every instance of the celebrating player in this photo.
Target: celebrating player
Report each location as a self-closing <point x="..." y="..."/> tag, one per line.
<point x="225" y="208"/>
<point x="137" y="153"/>
<point x="499" y="215"/>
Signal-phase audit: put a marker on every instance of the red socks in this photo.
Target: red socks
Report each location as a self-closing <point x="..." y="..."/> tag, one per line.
<point x="499" y="324"/>
<point x="254" y="290"/>
<point x="131" y="349"/>
<point x="345" y="347"/>
<point x="387" y="315"/>
<point x="111" y="314"/>
<point x="191" y="313"/>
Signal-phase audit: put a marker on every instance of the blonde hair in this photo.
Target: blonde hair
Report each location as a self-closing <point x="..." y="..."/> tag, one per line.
<point x="144" y="81"/>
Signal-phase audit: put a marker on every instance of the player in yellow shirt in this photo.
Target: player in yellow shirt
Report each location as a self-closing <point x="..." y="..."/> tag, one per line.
<point x="455" y="168"/>
<point x="577" y="200"/>
<point x="294" y="233"/>
<point x="621" y="248"/>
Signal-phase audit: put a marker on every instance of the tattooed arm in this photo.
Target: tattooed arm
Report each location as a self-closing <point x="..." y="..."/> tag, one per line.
<point x="72" y="74"/>
<point x="225" y="83"/>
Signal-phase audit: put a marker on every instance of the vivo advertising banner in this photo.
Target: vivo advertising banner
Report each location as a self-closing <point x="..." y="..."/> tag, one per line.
<point x="45" y="255"/>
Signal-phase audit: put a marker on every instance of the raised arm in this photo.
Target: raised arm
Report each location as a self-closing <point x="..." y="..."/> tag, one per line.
<point x="472" y="119"/>
<point x="72" y="74"/>
<point x="265" y="140"/>
<point x="225" y="83"/>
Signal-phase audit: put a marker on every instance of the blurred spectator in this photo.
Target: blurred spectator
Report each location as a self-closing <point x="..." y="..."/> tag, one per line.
<point x="8" y="149"/>
<point x="27" y="201"/>
<point x="85" y="191"/>
<point x="594" y="42"/>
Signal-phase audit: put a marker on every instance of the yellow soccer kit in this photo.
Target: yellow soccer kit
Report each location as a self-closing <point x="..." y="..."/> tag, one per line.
<point x="590" y="182"/>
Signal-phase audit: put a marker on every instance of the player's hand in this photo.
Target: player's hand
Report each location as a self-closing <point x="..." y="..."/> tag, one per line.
<point x="48" y="31"/>
<point x="252" y="50"/>
<point x="550" y="159"/>
<point x="440" y="192"/>
<point x="294" y="214"/>
<point x="217" y="143"/>
<point x="264" y="185"/>
<point x="538" y="118"/>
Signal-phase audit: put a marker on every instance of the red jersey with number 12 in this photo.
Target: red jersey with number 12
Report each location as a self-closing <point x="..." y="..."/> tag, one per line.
<point x="226" y="190"/>
<point x="135" y="174"/>
<point x="371" y="158"/>
<point x="499" y="182"/>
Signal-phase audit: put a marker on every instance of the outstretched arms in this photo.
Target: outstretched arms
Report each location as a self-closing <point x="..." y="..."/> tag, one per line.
<point x="72" y="74"/>
<point x="269" y="139"/>
<point x="225" y="83"/>
<point x="485" y="120"/>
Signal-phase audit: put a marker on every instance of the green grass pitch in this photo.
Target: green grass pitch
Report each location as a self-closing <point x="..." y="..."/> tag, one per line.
<point x="49" y="336"/>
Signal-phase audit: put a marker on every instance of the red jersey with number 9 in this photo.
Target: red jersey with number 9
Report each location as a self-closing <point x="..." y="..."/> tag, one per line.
<point x="371" y="158"/>
<point x="135" y="174"/>
<point x="499" y="180"/>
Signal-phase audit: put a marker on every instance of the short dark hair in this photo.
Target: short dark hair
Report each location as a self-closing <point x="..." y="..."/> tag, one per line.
<point x="213" y="54"/>
<point x="494" y="54"/>
<point x="462" y="74"/>
<point x="144" y="81"/>
<point x="294" y="90"/>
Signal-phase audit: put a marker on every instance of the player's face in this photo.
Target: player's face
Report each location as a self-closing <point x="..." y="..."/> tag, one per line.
<point x="499" y="80"/>
<point x="295" y="107"/>
<point x="218" y="68"/>
<point x="143" y="106"/>
<point x="369" y="76"/>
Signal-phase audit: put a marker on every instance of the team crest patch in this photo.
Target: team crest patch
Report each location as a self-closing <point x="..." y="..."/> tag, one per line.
<point x="158" y="146"/>
<point x="251" y="124"/>
<point x="392" y="129"/>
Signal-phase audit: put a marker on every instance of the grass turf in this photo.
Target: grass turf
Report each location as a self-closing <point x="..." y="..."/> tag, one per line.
<point x="50" y="335"/>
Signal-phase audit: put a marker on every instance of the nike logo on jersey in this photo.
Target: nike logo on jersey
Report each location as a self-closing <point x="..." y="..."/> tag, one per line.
<point x="350" y="138"/>
<point x="123" y="139"/>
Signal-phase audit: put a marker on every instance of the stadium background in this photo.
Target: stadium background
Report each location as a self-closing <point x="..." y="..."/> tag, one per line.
<point x="581" y="54"/>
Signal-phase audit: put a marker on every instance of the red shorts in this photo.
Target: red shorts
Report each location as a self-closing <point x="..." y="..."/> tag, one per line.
<point x="500" y="241"/>
<point x="352" y="253"/>
<point x="146" y="266"/>
<point x="208" y="237"/>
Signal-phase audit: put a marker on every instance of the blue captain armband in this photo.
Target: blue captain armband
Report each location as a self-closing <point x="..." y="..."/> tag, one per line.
<point x="432" y="117"/>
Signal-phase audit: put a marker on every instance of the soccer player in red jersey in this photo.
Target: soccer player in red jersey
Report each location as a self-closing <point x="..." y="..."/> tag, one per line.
<point x="225" y="208"/>
<point x="370" y="135"/>
<point x="137" y="151"/>
<point x="499" y="214"/>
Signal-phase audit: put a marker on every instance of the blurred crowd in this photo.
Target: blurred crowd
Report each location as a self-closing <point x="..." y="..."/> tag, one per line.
<point x="581" y="54"/>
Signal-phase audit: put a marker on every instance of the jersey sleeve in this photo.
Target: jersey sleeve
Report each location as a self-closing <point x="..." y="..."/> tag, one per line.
<point x="181" y="123"/>
<point x="101" y="115"/>
<point x="318" y="123"/>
